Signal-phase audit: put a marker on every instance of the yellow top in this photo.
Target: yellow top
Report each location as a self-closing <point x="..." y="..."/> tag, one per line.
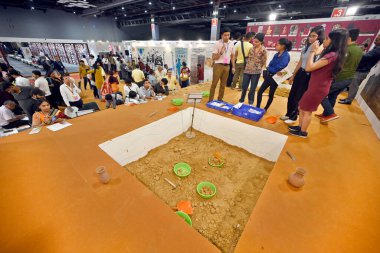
<point x="247" y="47"/>
<point x="172" y="82"/>
<point x="83" y="70"/>
<point x="138" y="75"/>
<point x="99" y="78"/>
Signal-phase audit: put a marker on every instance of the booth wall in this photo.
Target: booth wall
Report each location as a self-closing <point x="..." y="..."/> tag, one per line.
<point x="143" y="32"/>
<point x="54" y="24"/>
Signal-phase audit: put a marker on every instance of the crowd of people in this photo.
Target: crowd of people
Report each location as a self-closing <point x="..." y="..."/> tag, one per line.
<point x="329" y="64"/>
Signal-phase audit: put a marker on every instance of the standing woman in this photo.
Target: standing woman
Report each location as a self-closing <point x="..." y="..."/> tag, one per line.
<point x="99" y="78"/>
<point x="322" y="73"/>
<point x="257" y="58"/>
<point x="300" y="78"/>
<point x="279" y="62"/>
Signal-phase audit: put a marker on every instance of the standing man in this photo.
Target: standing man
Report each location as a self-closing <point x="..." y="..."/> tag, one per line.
<point x="236" y="38"/>
<point x="83" y="68"/>
<point x="241" y="54"/>
<point x="344" y="78"/>
<point x="223" y="54"/>
<point x="200" y="73"/>
<point x="138" y="76"/>
<point x="41" y="83"/>
<point x="367" y="62"/>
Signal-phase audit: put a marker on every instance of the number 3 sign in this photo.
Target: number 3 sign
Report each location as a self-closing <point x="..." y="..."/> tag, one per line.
<point x="339" y="12"/>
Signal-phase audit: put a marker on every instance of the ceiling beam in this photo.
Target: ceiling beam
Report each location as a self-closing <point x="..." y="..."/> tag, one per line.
<point x="113" y="4"/>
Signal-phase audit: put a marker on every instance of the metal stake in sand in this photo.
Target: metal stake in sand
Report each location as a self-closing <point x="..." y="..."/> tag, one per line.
<point x="193" y="98"/>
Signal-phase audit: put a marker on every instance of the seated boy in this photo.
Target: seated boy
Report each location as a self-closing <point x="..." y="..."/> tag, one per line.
<point x="114" y="99"/>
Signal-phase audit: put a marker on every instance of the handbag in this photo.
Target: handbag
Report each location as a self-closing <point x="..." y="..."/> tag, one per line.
<point x="242" y="49"/>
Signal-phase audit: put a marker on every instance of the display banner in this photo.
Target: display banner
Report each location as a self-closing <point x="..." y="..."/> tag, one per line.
<point x="198" y="56"/>
<point x="180" y="56"/>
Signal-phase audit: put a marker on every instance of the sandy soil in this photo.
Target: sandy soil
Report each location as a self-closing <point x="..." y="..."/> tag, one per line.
<point x="239" y="183"/>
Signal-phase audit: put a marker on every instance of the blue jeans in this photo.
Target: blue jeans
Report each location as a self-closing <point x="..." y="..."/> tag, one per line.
<point x="254" y="79"/>
<point x="328" y="102"/>
<point x="186" y="83"/>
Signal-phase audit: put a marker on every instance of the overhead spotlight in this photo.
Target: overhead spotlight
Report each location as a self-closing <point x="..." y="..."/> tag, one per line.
<point x="122" y="8"/>
<point x="74" y="12"/>
<point x="125" y="15"/>
<point x="224" y="6"/>
<point x="291" y="17"/>
<point x="173" y="8"/>
<point x="235" y="11"/>
<point x="352" y="10"/>
<point x="279" y="6"/>
<point x="115" y="18"/>
<point x="145" y="11"/>
<point x="150" y="3"/>
<point x="32" y="8"/>
<point x="272" y="16"/>
<point x="211" y="2"/>
<point x="94" y="15"/>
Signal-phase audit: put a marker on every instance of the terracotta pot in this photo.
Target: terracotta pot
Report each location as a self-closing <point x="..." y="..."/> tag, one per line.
<point x="103" y="175"/>
<point x="297" y="178"/>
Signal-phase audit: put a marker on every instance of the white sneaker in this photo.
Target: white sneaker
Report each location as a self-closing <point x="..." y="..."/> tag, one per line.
<point x="284" y="118"/>
<point x="289" y="121"/>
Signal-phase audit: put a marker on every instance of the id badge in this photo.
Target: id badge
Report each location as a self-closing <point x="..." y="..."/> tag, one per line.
<point x="225" y="60"/>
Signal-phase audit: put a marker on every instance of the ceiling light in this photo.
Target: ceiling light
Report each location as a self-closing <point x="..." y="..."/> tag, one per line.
<point x="173" y="8"/>
<point x="94" y="15"/>
<point x="352" y="10"/>
<point x="235" y="11"/>
<point x="211" y="2"/>
<point x="125" y="15"/>
<point x="150" y="3"/>
<point x="145" y="11"/>
<point x="279" y="6"/>
<point x="74" y="12"/>
<point x="291" y="17"/>
<point x="272" y="16"/>
<point x="32" y="8"/>
<point x="115" y="18"/>
<point x="122" y="8"/>
<point x="224" y="6"/>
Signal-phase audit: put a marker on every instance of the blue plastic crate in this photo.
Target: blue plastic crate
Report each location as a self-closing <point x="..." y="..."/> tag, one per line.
<point x="249" y="112"/>
<point x="225" y="108"/>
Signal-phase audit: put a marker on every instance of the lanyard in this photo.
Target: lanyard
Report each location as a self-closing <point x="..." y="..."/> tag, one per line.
<point x="71" y="90"/>
<point x="228" y="44"/>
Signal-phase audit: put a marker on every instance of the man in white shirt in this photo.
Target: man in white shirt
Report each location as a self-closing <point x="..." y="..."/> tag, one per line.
<point x="147" y="90"/>
<point x="84" y="60"/>
<point x="138" y="76"/>
<point x="19" y="80"/>
<point x="70" y="93"/>
<point x="92" y="61"/>
<point x="129" y="86"/>
<point x="222" y="54"/>
<point x="7" y="118"/>
<point x="160" y="73"/>
<point x="41" y="83"/>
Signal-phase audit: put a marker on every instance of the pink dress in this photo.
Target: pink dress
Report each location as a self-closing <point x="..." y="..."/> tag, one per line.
<point x="319" y="85"/>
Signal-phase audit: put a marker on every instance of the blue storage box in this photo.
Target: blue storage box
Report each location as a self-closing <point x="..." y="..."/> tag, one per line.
<point x="249" y="112"/>
<point x="220" y="105"/>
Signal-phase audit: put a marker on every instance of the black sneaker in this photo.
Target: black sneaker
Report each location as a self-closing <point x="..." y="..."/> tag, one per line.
<point x="294" y="128"/>
<point x="299" y="134"/>
<point x="345" y="102"/>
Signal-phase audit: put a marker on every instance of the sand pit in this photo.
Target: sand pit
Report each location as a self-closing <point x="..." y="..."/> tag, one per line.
<point x="239" y="183"/>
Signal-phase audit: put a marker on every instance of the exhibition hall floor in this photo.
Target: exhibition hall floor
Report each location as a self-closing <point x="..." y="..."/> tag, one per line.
<point x="51" y="200"/>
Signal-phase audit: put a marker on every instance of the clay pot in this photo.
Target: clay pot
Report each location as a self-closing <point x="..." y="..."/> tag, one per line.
<point x="103" y="175"/>
<point x="297" y="178"/>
